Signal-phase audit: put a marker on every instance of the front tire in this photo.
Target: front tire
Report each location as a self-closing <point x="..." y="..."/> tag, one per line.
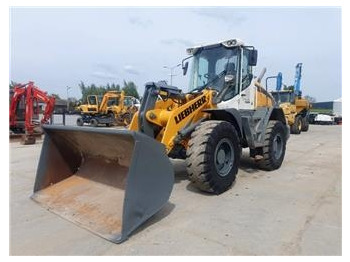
<point x="213" y="156"/>
<point x="274" y="147"/>
<point x="127" y="119"/>
<point x="296" y="127"/>
<point x="305" y="124"/>
<point x="93" y="122"/>
<point x="80" y="121"/>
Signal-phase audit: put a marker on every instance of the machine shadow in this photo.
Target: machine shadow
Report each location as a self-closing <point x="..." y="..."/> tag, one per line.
<point x="248" y="164"/>
<point x="164" y="212"/>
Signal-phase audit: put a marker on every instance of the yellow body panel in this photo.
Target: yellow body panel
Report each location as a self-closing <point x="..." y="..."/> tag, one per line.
<point x="301" y="104"/>
<point x="291" y="110"/>
<point x="119" y="109"/>
<point x="173" y="117"/>
<point x="262" y="99"/>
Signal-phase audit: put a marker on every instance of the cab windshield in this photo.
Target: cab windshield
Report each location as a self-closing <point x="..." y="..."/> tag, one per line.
<point x="282" y="97"/>
<point x="210" y="65"/>
<point x="94" y="100"/>
<point x="113" y="101"/>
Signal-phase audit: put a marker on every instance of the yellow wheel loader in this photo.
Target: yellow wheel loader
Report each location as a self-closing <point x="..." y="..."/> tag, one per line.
<point x="295" y="107"/>
<point x="113" y="107"/>
<point x="111" y="181"/>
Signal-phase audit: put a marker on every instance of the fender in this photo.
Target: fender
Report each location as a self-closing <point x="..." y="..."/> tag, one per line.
<point x="231" y="115"/>
<point x="277" y="114"/>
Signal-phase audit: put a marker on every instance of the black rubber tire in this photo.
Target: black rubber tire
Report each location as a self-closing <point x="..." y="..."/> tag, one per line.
<point x="296" y="127"/>
<point x="127" y="119"/>
<point x="207" y="142"/>
<point x="305" y="124"/>
<point x="271" y="161"/>
<point x="93" y="122"/>
<point x="80" y="122"/>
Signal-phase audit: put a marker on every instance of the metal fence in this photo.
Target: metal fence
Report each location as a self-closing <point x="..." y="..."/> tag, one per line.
<point x="64" y="119"/>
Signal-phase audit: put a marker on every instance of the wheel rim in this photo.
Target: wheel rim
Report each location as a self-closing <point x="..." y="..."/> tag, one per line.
<point x="277" y="146"/>
<point x="299" y="125"/>
<point x="224" y="157"/>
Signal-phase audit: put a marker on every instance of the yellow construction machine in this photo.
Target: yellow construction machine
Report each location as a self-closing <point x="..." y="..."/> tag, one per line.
<point x="111" y="108"/>
<point x="295" y="107"/>
<point x="111" y="181"/>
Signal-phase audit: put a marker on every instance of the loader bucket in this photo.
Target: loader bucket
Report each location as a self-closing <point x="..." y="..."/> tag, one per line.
<point x="107" y="181"/>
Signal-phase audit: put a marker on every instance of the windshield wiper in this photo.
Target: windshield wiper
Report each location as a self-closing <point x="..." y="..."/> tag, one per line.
<point x="200" y="88"/>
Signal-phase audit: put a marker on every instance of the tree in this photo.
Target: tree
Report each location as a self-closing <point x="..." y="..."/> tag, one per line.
<point x="56" y="96"/>
<point x="115" y="87"/>
<point x="288" y="88"/>
<point x="12" y="84"/>
<point x="130" y="89"/>
<point x="310" y="99"/>
<point x="93" y="89"/>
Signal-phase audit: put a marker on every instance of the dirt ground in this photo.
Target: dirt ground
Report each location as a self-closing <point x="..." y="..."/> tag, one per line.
<point x="296" y="210"/>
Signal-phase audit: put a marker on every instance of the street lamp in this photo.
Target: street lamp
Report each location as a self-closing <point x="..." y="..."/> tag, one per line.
<point x="171" y="72"/>
<point x="68" y="88"/>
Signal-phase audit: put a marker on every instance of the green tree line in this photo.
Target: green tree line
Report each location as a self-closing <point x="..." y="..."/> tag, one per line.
<point x="129" y="89"/>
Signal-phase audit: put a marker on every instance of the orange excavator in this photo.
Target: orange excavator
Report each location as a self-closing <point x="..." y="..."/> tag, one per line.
<point x="24" y="110"/>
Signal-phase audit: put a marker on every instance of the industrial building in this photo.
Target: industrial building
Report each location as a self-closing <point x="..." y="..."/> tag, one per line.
<point x="333" y="107"/>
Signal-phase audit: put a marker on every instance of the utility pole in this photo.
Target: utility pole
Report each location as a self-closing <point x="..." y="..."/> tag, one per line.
<point x="68" y="88"/>
<point x="171" y="72"/>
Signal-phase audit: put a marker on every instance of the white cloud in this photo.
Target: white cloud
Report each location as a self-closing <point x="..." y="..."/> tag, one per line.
<point x="175" y="41"/>
<point x="131" y="70"/>
<point x="227" y="15"/>
<point x="104" y="75"/>
<point x="140" y="22"/>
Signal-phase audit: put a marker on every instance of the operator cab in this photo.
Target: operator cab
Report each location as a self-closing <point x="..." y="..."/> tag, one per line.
<point x="225" y="67"/>
<point x="94" y="100"/>
<point x="283" y="96"/>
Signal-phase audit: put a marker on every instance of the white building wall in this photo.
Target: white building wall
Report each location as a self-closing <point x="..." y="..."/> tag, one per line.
<point x="337" y="107"/>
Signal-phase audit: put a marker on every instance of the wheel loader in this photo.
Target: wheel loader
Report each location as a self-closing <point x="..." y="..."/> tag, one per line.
<point x="113" y="107"/>
<point x="111" y="181"/>
<point x="295" y="107"/>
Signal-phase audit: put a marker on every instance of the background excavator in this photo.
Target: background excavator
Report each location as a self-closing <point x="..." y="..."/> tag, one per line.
<point x="111" y="181"/>
<point x="295" y="107"/>
<point x="24" y="110"/>
<point x="112" y="108"/>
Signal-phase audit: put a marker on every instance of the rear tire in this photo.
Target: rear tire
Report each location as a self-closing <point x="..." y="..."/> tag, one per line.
<point x="274" y="147"/>
<point x="93" y="122"/>
<point x="296" y="127"/>
<point x="80" y="122"/>
<point x="213" y="156"/>
<point x="305" y="124"/>
<point x="127" y="119"/>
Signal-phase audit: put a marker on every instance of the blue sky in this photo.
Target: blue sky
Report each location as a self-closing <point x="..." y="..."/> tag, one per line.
<point x="59" y="47"/>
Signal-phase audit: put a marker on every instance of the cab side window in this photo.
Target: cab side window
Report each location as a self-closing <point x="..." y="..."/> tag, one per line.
<point x="247" y="74"/>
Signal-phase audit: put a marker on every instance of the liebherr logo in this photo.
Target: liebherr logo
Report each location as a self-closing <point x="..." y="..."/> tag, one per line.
<point x="185" y="113"/>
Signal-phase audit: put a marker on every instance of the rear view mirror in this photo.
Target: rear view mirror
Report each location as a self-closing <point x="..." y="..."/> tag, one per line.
<point x="253" y="57"/>
<point x="185" y="65"/>
<point x="184" y="68"/>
